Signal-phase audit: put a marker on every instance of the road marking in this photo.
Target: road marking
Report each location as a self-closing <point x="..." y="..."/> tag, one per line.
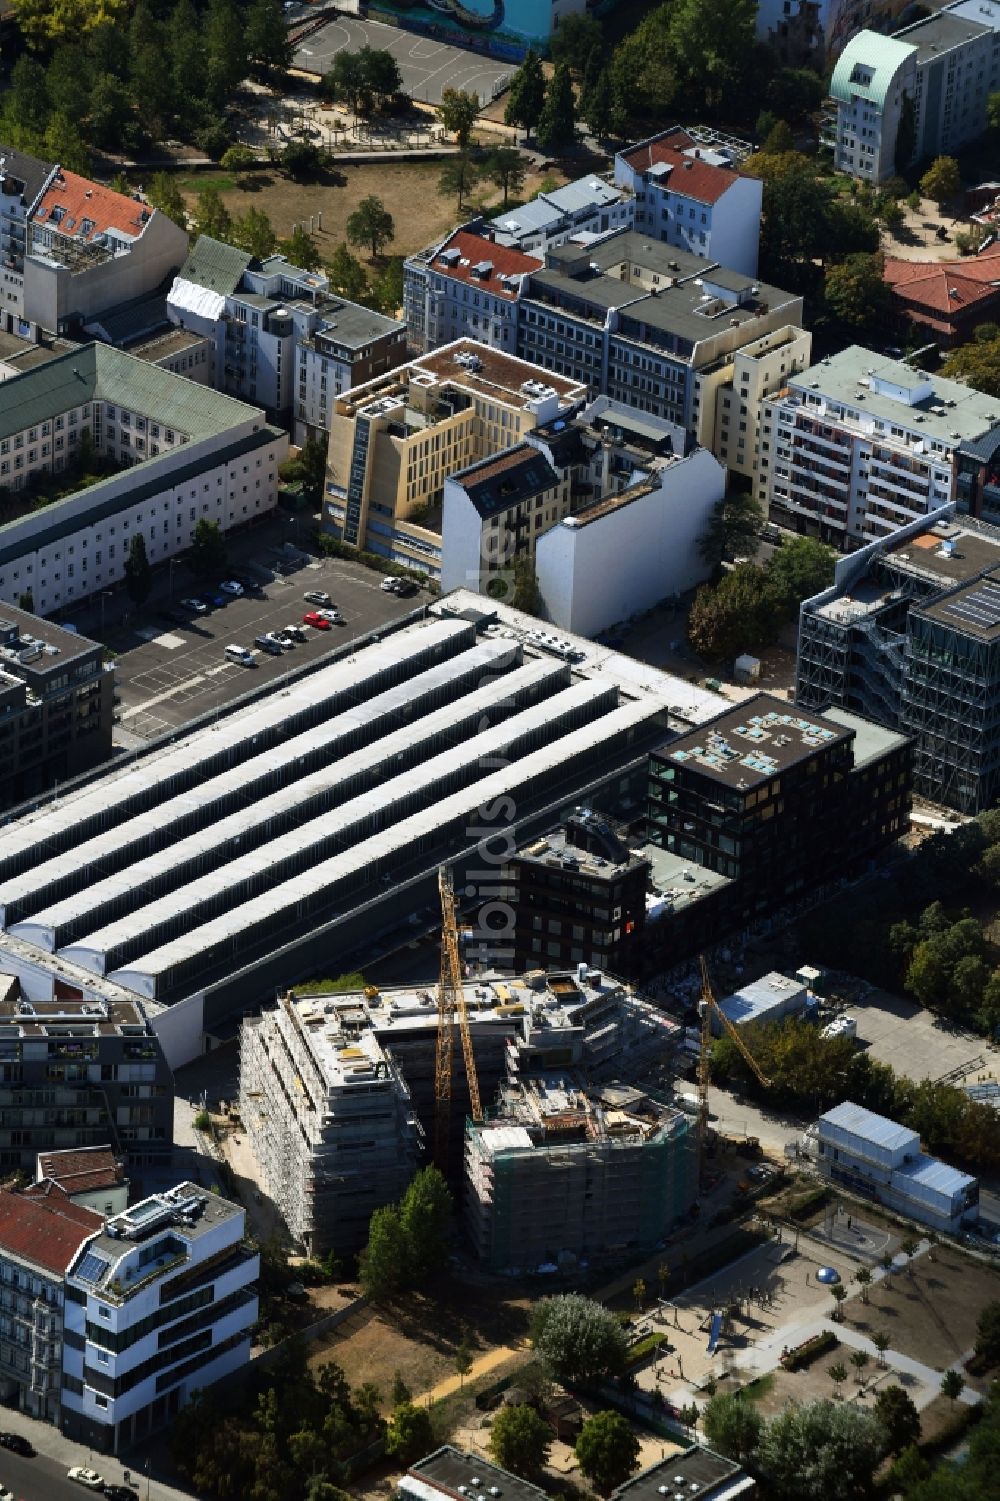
<point x="158" y="637"/>
<point x="159" y="698"/>
<point x="212" y="672"/>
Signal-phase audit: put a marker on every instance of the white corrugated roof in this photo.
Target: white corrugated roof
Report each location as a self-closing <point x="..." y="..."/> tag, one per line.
<point x="877" y="1129"/>
<point x="189" y="297"/>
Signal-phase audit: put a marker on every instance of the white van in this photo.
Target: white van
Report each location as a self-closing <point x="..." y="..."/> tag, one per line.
<point x="240" y="654"/>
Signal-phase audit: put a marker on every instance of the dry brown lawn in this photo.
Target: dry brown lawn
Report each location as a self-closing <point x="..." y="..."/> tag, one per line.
<point x="409" y="191"/>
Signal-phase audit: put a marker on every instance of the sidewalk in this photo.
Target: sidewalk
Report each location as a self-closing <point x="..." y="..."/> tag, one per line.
<point x="63" y="1451"/>
<point x="479" y="1367"/>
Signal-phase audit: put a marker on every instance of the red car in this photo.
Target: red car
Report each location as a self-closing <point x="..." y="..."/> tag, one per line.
<point x="318" y="622"/>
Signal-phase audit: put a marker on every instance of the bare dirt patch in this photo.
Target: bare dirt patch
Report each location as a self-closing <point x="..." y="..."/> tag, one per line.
<point x="409" y="191"/>
<point x="930" y="1310"/>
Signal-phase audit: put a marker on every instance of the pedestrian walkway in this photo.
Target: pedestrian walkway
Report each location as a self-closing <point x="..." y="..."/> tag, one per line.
<point x="49" y="1442"/>
<point x="479" y="1367"/>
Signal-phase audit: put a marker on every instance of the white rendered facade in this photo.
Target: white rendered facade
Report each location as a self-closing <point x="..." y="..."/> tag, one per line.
<point x="159" y="1305"/>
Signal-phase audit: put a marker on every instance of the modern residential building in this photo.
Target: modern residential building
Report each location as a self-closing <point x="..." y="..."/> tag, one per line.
<point x="578" y="894"/>
<point x="731" y="392"/>
<point x="177" y="454"/>
<point x="564" y="1171"/>
<point x="56" y="705"/>
<point x="23" y="179"/>
<point x="859" y="445"/>
<point x="947" y="300"/>
<point x="394" y="441"/>
<point x="590" y="206"/>
<point x="909" y="635"/>
<point x="697" y="1474"/>
<point x="690" y="196"/>
<point x="776" y="800"/>
<point x="270" y="841"/>
<point x="638" y="321"/>
<point x="159" y="1304"/>
<point x="89" y="248"/>
<point x="880" y="1160"/>
<point x="41" y="1236"/>
<point x="329" y="1119"/>
<point x="280" y="340"/>
<point x="78" y="1074"/>
<point x="91" y="1176"/>
<point x="443" y="1474"/>
<point x="468" y="285"/>
<point x="918" y="94"/>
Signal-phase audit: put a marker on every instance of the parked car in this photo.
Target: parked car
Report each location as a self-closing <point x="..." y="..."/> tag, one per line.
<point x="390" y="584"/>
<point x="317" y="597"/>
<point x="83" y="1476"/>
<point x="295" y="631"/>
<point x="333" y="616"/>
<point x="318" y="622"/>
<point x="248" y="583"/>
<point x="240" y="654"/>
<point x="284" y="640"/>
<point x="405" y="588"/>
<point x="120" y="1493"/>
<point x="269" y="644"/>
<point x="231" y="587"/>
<point x="196" y="606"/>
<point x="17" y="1444"/>
<point x="214" y="601"/>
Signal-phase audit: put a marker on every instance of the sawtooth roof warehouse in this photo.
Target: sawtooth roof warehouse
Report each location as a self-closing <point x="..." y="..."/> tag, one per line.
<point x="263" y="848"/>
<point x="184" y="454"/>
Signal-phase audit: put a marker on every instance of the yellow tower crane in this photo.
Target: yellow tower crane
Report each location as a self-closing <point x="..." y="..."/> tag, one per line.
<point x="708" y="1007"/>
<point x="451" y="1002"/>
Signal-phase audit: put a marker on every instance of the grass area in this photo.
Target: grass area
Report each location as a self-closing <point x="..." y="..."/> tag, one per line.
<point x="342" y="985"/>
<point x="757" y="1390"/>
<point x="198" y="182"/>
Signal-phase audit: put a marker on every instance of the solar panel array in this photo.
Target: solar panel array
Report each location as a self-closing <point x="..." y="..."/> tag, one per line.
<point x="978" y="607"/>
<point x="92" y="1268"/>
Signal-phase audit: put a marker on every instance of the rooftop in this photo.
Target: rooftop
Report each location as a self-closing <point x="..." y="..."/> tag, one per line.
<point x="946" y="288"/>
<point x="464" y="1477"/>
<point x="498" y="484"/>
<point x="85" y="212"/>
<point x="559" y="1108"/>
<point x="874" y="388"/>
<point x="81" y="1169"/>
<point x="559" y="847"/>
<point x="950" y="551"/>
<point x="482" y="263"/>
<point x="69" y="1016"/>
<point x="677" y="163"/>
<point x="759" y="997"/>
<point x="472" y="367"/>
<point x="871" y="740"/>
<point x="972" y="609"/>
<point x="30" y="644"/>
<point x="215" y="266"/>
<point x="937" y="34"/>
<point x="867" y="67"/>
<point x="113" y="1265"/>
<point x="876" y="1129"/>
<point x="47" y="1230"/>
<point x="754" y="741"/>
<point x="933" y="1174"/>
<point x="352" y="325"/>
<point x="27" y="170"/>
<point x="163" y="346"/>
<point x="694" y="1475"/>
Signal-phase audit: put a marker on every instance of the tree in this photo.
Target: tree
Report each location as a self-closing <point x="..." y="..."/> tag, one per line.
<point x="733" y="1426"/>
<point x="892" y="215"/>
<point x="300" y="249"/>
<point x="795" y="93"/>
<point x="211" y="217"/>
<point x="268" y="44"/>
<point x="25" y="105"/>
<point x="823" y="1450"/>
<point x="779" y="138"/>
<point x="110" y="112"/>
<point x="863" y="1278"/>
<point x="425" y="1216"/>
<point x="463" y="1361"/>
<point x="909" y="1246"/>
<point x="48" y="21"/>
<point x="382" y="1264"/>
<point x="386" y="292"/>
<point x="857" y="293"/>
<point x="942" y="180"/>
<point x="577" y="1339"/>
<point x="380" y="75"/>
<point x="859" y="1359"/>
<point x="254" y="233"/>
<point x="839" y="1294"/>
<point x="556" y="126"/>
<point x="741" y="613"/>
<point x="952" y="1385"/>
<point x="459" y="111"/>
<point x="977" y="363"/>
<point x="346" y="80"/>
<point x="577" y="37"/>
<point x="138" y="574"/>
<point x="602" y="107"/>
<point x="308" y="469"/>
<point x="303" y="160"/>
<point x="881" y="1342"/>
<point x="838" y="1375"/>
<point x="643" y="69"/>
<point x="800" y="569"/>
<point x="238" y="159"/>
<point x="347" y="275"/>
<point x="459" y="176"/>
<point x="506" y="168"/>
<point x="399" y="1392"/>
<point x="527" y="596"/>
<point x="734" y="529"/>
<point x="898" y="1417"/>
<point x="639" y="1291"/>
<point x="26" y="601"/>
<point x="526" y="95"/>
<point x="608" y="1450"/>
<point x="519" y="1440"/>
<point x="411" y="1433"/>
<point x="371" y="224"/>
<point x="65" y="145"/>
<point x="222" y="36"/>
<point x="987" y="1328"/>
<point x="712" y="46"/>
<point x="207" y="555"/>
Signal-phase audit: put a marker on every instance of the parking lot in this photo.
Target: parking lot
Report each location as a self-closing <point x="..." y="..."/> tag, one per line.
<point x="428" y="67"/>
<point x="917" y="1043"/>
<point x="173" y="672"/>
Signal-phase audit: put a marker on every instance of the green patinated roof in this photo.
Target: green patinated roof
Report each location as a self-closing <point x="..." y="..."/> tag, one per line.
<point x="214" y="265"/>
<point x="880" y="55"/>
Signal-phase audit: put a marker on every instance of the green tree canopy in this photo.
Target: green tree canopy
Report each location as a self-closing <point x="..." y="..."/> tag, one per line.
<point x="977" y="363"/>
<point x="301" y="250"/>
<point x="608" y="1450"/>
<point x="459" y="176"/>
<point x="411" y="1433"/>
<point x="942" y="180"/>
<point x="211" y="217"/>
<point x="556" y="126"/>
<point x="988" y="1333"/>
<point x="347" y="275"/>
<point x="382" y="1264"/>
<point x="603" y="107"/>
<point x="506" y="167"/>
<point x="799" y="569"/>
<point x="823" y="1450"/>
<point x="857" y="294"/>
<point x="138" y="574"/>
<point x="743" y="612"/>
<point x="899" y="1418"/>
<point x="459" y="111"/>
<point x="734" y="528"/>
<point x="576" y="1339"/>
<point x="711" y="45"/>
<point x="268" y="44"/>
<point x="254" y="232"/>
<point x="526" y="95"/>
<point x="308" y="469"/>
<point x="303" y="160"/>
<point x="575" y="39"/>
<point x="733" y="1426"/>
<point x="519" y="1440"/>
<point x="43" y="22"/>
<point x="208" y="555"/>
<point x="371" y="224"/>
<point x="642" y="66"/>
<point x="425" y="1215"/>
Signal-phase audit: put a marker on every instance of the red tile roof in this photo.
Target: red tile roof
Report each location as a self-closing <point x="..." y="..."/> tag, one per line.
<point x="691" y="176"/>
<point x="473" y="249"/>
<point x="81" y="1171"/>
<point x="48" y="1231"/>
<point x="80" y="200"/>
<point x="947" y="287"/>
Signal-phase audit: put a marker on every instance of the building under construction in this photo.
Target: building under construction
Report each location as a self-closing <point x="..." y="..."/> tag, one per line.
<point x="567" y="1171"/>
<point x="337" y="1092"/>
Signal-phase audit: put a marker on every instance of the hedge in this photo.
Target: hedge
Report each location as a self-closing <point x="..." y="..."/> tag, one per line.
<point x="810" y="1350"/>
